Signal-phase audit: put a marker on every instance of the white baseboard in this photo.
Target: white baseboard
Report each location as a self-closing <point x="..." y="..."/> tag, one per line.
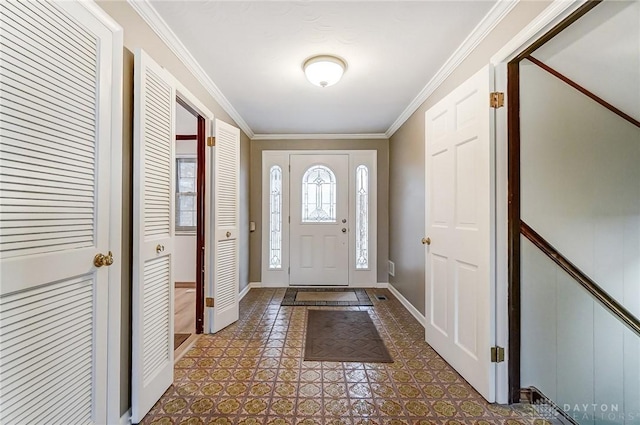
<point x="244" y="292"/>
<point x="414" y="311"/>
<point x="126" y="418"/>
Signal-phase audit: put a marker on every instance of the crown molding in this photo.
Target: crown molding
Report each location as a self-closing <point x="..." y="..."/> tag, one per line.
<point x="160" y="27"/>
<point x="488" y="23"/>
<point x="320" y="136"/>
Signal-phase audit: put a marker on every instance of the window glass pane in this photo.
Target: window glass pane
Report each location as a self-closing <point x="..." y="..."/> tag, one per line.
<point x="186" y="172"/>
<point x="187" y="167"/>
<point x="275" y="218"/>
<point x="186" y="185"/>
<point x="318" y="195"/>
<point x="362" y="217"/>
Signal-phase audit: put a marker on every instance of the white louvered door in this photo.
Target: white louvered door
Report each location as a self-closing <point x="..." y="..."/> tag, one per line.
<point x="153" y="232"/>
<point x="225" y="271"/>
<point x="56" y="186"/>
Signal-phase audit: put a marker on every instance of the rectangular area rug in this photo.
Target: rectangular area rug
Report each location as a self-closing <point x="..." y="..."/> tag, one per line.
<point x="343" y="336"/>
<point x="326" y="297"/>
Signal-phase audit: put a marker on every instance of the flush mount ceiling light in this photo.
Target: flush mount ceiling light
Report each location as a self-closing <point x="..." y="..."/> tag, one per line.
<point x="324" y="70"/>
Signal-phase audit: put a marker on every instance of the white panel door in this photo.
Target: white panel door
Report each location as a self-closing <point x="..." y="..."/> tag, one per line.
<point x="319" y="211"/>
<point x="226" y="218"/>
<point x="153" y="234"/>
<point x="56" y="187"/>
<point x="459" y="199"/>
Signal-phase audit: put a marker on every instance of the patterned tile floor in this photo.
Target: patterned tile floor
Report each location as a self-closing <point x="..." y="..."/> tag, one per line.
<point x="252" y="373"/>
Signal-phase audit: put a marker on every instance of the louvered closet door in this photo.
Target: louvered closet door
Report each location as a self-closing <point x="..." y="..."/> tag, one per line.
<point x="55" y="185"/>
<point x="153" y="230"/>
<point x="226" y="278"/>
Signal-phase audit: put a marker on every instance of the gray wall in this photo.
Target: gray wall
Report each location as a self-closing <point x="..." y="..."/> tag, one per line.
<point x="406" y="162"/>
<point x="257" y="146"/>
<point x="138" y="34"/>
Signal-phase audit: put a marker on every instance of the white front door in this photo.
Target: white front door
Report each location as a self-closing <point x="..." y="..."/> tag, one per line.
<point x="153" y="235"/>
<point x="319" y="213"/>
<point x="60" y="192"/>
<point x="459" y="274"/>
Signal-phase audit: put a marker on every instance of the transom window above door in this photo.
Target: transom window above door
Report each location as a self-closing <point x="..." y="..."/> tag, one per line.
<point x="319" y="195"/>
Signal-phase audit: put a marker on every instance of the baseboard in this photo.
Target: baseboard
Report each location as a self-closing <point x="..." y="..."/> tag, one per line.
<point x="244" y="292"/>
<point x="126" y="418"/>
<point x="414" y="311"/>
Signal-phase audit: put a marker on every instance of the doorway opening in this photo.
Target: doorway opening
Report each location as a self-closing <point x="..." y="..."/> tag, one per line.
<point x="189" y="224"/>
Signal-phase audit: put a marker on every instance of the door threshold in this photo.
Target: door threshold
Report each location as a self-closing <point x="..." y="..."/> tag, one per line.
<point x="179" y="352"/>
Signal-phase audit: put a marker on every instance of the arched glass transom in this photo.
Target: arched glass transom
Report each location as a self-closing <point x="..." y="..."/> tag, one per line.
<point x="362" y="217"/>
<point x="275" y="218"/>
<point x="319" y="195"/>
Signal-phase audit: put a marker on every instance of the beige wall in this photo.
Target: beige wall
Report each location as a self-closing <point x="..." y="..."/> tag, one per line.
<point x="257" y="146"/>
<point x="406" y="162"/>
<point x="137" y="34"/>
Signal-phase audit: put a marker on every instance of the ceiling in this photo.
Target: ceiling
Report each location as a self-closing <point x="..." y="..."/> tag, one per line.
<point x="252" y="53"/>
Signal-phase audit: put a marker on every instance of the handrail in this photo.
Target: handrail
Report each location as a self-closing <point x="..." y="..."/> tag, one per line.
<point x="585" y="281"/>
<point x="584" y="91"/>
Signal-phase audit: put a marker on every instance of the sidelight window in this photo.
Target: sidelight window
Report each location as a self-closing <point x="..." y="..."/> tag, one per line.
<point x="362" y="217"/>
<point x="275" y="218"/>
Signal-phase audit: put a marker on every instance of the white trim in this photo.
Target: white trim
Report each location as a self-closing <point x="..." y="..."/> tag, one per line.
<point x="126" y="418"/>
<point x="547" y="19"/>
<point x="115" y="225"/>
<point x="553" y="14"/>
<point x="160" y="27"/>
<point x="488" y="23"/>
<point x="414" y="311"/>
<point x="244" y="292"/>
<point x="320" y="136"/>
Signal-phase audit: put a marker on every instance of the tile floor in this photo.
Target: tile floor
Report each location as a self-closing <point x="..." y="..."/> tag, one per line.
<point x="252" y="373"/>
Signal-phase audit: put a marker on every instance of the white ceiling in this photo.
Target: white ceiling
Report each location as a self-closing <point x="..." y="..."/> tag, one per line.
<point x="253" y="52"/>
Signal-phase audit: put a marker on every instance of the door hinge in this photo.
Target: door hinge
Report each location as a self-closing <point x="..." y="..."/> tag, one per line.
<point x="496" y="99"/>
<point x="211" y="141"/>
<point x="208" y="301"/>
<point x="497" y="354"/>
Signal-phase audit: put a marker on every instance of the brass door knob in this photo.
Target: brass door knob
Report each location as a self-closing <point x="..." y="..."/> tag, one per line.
<point x="228" y="234"/>
<point x="426" y="241"/>
<point x="159" y="248"/>
<point x="103" y="260"/>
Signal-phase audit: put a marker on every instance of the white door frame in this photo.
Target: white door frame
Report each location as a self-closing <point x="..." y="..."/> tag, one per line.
<point x="357" y="277"/>
<point x="115" y="220"/>
<point x="551" y="16"/>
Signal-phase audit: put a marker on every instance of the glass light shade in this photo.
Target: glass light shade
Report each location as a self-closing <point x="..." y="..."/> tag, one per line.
<point x="324" y="71"/>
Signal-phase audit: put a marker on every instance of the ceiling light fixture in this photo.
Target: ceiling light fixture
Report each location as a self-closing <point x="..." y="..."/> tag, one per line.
<point x="324" y="70"/>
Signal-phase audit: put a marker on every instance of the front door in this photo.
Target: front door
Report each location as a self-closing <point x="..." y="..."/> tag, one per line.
<point x="459" y="275"/>
<point x="319" y="212"/>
